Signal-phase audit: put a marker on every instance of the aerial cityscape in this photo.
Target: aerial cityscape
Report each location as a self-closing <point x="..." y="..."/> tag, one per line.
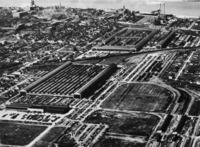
<point x="91" y="77"/>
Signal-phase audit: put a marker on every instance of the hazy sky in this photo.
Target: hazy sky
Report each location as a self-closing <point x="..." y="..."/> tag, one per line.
<point x="88" y="3"/>
<point x="179" y="7"/>
<point x="85" y="2"/>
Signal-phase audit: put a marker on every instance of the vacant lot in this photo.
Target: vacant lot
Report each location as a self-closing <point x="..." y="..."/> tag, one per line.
<point x="18" y="134"/>
<point x="140" y="97"/>
<point x="125" y="123"/>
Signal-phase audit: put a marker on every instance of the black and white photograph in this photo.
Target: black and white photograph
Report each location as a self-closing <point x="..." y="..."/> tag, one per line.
<point x="99" y="73"/>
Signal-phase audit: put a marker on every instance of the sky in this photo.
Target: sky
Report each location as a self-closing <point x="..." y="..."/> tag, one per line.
<point x="178" y="7"/>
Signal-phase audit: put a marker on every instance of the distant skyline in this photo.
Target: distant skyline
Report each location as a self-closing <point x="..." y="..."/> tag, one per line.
<point x="178" y="7"/>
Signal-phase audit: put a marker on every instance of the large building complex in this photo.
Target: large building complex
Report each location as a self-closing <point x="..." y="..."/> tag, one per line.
<point x="72" y="77"/>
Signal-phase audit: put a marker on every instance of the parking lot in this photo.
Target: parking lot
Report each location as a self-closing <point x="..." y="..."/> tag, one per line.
<point x="29" y="117"/>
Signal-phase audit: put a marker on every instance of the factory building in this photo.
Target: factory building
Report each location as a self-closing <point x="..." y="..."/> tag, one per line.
<point x="168" y="37"/>
<point x="91" y="86"/>
<point x="31" y="86"/>
<point x="39" y="108"/>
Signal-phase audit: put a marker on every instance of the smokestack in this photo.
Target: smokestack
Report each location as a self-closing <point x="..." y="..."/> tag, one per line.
<point x="32" y="3"/>
<point x="164" y="9"/>
<point x="164" y="13"/>
<point x="160" y="6"/>
<point x="160" y="10"/>
<point x="124" y="10"/>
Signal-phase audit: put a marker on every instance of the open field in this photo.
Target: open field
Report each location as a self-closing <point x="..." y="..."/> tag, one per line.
<point x="116" y="142"/>
<point x="140" y="97"/>
<point x="50" y="137"/>
<point x="125" y="123"/>
<point x="19" y="134"/>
